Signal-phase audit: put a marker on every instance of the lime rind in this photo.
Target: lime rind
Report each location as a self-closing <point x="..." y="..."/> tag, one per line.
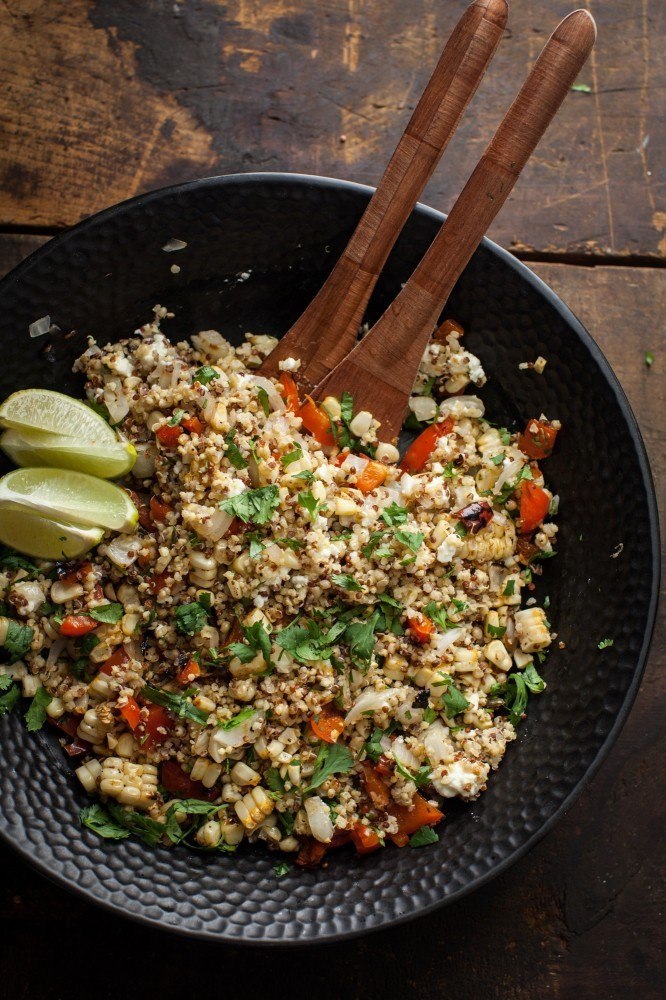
<point x="44" y="538"/>
<point x="39" y="448"/>
<point x="72" y="497"/>
<point x="54" y="413"/>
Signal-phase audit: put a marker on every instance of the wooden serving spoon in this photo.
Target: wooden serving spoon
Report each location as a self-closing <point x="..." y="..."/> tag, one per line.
<point x="328" y="328"/>
<point x="380" y="371"/>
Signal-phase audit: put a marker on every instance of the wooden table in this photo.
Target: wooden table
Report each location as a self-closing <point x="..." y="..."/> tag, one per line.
<point x="103" y="99"/>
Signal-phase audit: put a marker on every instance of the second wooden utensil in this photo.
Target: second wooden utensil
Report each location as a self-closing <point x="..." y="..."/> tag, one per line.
<point x="328" y="328"/>
<point x="380" y="371"/>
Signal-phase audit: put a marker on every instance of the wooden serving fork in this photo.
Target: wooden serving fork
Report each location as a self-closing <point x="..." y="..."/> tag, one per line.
<point x="328" y="328"/>
<point x="380" y="371"/>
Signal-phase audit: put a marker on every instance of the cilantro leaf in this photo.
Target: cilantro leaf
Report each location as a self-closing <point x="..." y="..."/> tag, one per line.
<point x="291" y="456"/>
<point x="496" y="631"/>
<point x="333" y="758"/>
<point x="257" y="640"/>
<point x="373" y="543"/>
<point x="346" y="581"/>
<point x="453" y="700"/>
<point x="205" y="374"/>
<point x="190" y="807"/>
<point x="265" y="402"/>
<point x="175" y="418"/>
<point x="257" y="506"/>
<point x="8" y="700"/>
<point x="395" y="514"/>
<point x="307" y="641"/>
<point x="238" y="719"/>
<point x="35" y="717"/>
<point x="233" y="452"/>
<point x="533" y="681"/>
<point x="360" y="637"/>
<point x="256" y="547"/>
<point x="110" y="614"/>
<point x="12" y="560"/>
<point x="439" y="616"/>
<point x="605" y="643"/>
<point x="420" y="778"/>
<point x="178" y="704"/>
<point x="509" y="588"/>
<point x="308" y="501"/>
<point x="373" y="746"/>
<point x="190" y="618"/>
<point x="426" y="835"/>
<point x="429" y="715"/>
<point x="274" y="782"/>
<point x="281" y="869"/>
<point x="18" y="640"/>
<point x="412" y="539"/>
<point x="149" y="830"/>
<point x="98" y="820"/>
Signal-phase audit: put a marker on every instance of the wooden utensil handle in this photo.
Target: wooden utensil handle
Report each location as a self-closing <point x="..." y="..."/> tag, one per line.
<point x="380" y="371"/>
<point x="327" y="330"/>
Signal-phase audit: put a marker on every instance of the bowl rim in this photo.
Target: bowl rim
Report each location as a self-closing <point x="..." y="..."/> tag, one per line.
<point x="572" y="321"/>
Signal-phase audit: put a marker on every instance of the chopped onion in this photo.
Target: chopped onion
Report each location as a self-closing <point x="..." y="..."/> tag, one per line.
<point x="404" y="755"/>
<point x="116" y="403"/>
<point x="144" y="466"/>
<point x="274" y="397"/>
<point x="215" y="526"/>
<point x="174" y="244"/>
<point x="445" y="640"/>
<point x="437" y="743"/>
<point x="354" y="463"/>
<point x="423" y="407"/>
<point x="319" y="818"/>
<point x="54" y="653"/>
<point x="222" y="740"/>
<point x="369" y="700"/>
<point x="123" y="550"/>
<point x="40" y="327"/>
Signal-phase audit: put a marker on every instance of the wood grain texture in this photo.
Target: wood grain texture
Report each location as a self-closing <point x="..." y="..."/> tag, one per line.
<point x="380" y="371"/>
<point x="326" y="331"/>
<point x="99" y="102"/>
<point x="581" y="916"/>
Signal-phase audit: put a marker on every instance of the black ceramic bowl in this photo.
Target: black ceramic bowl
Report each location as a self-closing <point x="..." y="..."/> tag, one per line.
<point x="285" y="232"/>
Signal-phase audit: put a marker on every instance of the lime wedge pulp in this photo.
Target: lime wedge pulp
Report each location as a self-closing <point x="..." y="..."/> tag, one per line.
<point x="68" y="496"/>
<point x="38" y="448"/>
<point x="55" y="413"/>
<point x="44" y="539"/>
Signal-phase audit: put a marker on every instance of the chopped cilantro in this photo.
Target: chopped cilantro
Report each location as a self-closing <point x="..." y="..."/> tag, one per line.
<point x="412" y="539"/>
<point x="237" y="720"/>
<point x="459" y="605"/>
<point x="497" y="459"/>
<point x="509" y="588"/>
<point x="257" y="640"/>
<point x="256" y="506"/>
<point x="110" y="614"/>
<point x="179" y="704"/>
<point x="439" y="616"/>
<point x="426" y="835"/>
<point x="496" y="631"/>
<point x="429" y="715"/>
<point x="554" y="505"/>
<point x="420" y="778"/>
<point x="98" y="820"/>
<point x="649" y="358"/>
<point x="291" y="456"/>
<point x="233" y="452"/>
<point x="373" y="543"/>
<point x="149" y="830"/>
<point x="205" y="374"/>
<point x="190" y="618"/>
<point x="460" y="530"/>
<point x="35" y="717"/>
<point x="346" y="581"/>
<point x="265" y="403"/>
<point x="12" y="560"/>
<point x="605" y="643"/>
<point x="453" y="700"/>
<point x="176" y="418"/>
<point x="274" y="782"/>
<point x="449" y="471"/>
<point x="308" y="501"/>
<point x="333" y="758"/>
<point x="9" y="699"/>
<point x="360" y="637"/>
<point x="394" y="514"/>
<point x="256" y="546"/>
<point x="17" y="641"/>
<point x="281" y="869"/>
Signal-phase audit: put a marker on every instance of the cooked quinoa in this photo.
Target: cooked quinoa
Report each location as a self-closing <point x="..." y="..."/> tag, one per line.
<point x="303" y="642"/>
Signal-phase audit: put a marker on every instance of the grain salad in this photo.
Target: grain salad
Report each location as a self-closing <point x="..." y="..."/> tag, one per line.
<point x="307" y="640"/>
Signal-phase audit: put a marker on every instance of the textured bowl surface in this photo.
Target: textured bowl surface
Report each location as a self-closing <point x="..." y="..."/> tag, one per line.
<point x="258" y="247"/>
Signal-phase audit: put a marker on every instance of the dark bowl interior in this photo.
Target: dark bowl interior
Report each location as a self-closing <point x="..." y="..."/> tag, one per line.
<point x="258" y="247"/>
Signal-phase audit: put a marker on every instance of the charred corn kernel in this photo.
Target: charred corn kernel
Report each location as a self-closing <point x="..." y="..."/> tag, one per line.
<point x="92" y="728"/>
<point x="456" y="383"/>
<point x="209" y="637"/>
<point x="260" y="748"/>
<point x="63" y="592"/>
<point x="100" y="687"/>
<point x="203" y="569"/>
<point x="539" y="365"/>
<point x="294" y="774"/>
<point x="213" y="772"/>
<point x="464" y="660"/>
<point x="130" y="623"/>
<point x="131" y="784"/>
<point x="241" y="774"/>
<point x="204" y="703"/>
<point x="255" y="666"/>
<point x="199" y="769"/>
<point x="497" y="654"/>
<point x="55" y="708"/>
<point x="521" y="659"/>
<point x="128" y="597"/>
<point x="486" y="478"/>
<point x="345" y="507"/>
<point x="232" y="833"/>
<point x="210" y="834"/>
<point x="88" y="774"/>
<point x="125" y="746"/>
<point x="387" y="453"/>
<point x="230" y="793"/>
<point x="253" y="808"/>
<point x="395" y="664"/>
<point x="423" y="676"/>
<point x="361" y="423"/>
<point x="243" y="564"/>
<point x="29" y="685"/>
<point x="531" y="629"/>
<point x="492" y="544"/>
<point x="102" y="652"/>
<point x="288" y="844"/>
<point x="332" y="406"/>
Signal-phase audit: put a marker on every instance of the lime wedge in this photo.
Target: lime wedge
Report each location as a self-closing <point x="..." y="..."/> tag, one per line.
<point x="43" y="539"/>
<point x="68" y="496"/>
<point x="33" y="448"/>
<point x="44" y="410"/>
